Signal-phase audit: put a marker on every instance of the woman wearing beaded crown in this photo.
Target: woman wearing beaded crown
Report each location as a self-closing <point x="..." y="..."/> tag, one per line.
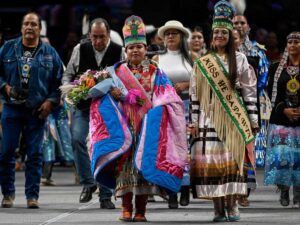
<point x="135" y="138"/>
<point x="221" y="125"/>
<point x="283" y="147"/>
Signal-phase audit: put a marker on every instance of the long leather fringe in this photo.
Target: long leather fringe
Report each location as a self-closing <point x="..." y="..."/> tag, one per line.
<point x="225" y="128"/>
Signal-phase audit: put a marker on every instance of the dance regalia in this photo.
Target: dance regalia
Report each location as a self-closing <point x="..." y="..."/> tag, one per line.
<point x="57" y="133"/>
<point x="224" y="125"/>
<point x="143" y="144"/>
<point x="283" y="146"/>
<point x="254" y="50"/>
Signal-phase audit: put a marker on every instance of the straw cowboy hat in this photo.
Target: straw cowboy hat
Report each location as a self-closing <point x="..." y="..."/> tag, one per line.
<point x="173" y="24"/>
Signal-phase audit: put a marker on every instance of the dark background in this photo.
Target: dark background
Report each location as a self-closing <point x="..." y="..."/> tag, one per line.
<point x="281" y="16"/>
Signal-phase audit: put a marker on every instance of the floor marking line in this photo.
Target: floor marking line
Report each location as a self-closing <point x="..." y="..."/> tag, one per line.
<point x="64" y="215"/>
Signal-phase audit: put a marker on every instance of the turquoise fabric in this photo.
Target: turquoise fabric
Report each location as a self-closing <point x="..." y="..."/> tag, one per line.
<point x="282" y="165"/>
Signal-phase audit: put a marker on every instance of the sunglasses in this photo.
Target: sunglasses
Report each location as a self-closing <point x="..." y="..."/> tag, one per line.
<point x="173" y="34"/>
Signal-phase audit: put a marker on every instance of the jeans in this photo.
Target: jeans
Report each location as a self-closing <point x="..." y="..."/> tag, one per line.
<point x="17" y="119"/>
<point x="80" y="130"/>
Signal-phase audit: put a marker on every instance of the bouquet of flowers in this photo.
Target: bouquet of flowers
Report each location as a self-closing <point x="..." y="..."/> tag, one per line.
<point x="82" y="89"/>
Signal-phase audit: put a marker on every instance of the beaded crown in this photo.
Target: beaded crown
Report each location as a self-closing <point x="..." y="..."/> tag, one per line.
<point x="134" y="31"/>
<point x="223" y="15"/>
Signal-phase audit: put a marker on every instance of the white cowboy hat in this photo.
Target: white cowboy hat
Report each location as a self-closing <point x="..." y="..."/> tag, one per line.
<point x="172" y="24"/>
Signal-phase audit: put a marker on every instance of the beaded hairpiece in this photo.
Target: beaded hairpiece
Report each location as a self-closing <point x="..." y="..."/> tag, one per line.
<point x="294" y="35"/>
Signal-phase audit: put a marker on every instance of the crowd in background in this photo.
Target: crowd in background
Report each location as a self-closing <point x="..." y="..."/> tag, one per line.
<point x="175" y="70"/>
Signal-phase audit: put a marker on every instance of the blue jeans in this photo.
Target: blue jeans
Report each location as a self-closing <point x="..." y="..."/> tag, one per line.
<point x="80" y="130"/>
<point x="17" y="119"/>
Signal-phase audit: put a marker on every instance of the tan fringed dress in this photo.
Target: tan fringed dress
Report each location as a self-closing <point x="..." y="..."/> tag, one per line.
<point x="215" y="169"/>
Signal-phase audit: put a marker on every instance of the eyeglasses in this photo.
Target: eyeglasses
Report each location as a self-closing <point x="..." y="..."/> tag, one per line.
<point x="173" y="34"/>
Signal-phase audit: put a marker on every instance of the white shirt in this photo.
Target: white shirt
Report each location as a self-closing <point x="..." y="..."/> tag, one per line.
<point x="177" y="70"/>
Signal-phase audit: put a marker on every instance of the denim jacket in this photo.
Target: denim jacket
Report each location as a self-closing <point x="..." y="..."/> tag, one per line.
<point x="45" y="74"/>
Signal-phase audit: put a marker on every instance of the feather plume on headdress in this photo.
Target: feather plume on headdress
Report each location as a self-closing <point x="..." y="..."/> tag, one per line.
<point x="239" y="5"/>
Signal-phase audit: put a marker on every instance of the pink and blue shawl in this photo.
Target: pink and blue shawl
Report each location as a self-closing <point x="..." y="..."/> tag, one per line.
<point x="162" y="147"/>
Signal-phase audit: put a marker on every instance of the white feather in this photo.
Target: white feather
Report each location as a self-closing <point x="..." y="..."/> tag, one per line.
<point x="85" y="24"/>
<point x="239" y="5"/>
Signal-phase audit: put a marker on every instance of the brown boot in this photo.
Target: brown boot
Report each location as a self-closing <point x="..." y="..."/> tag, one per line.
<point x="140" y="205"/>
<point x="139" y="218"/>
<point x="126" y="216"/>
<point x="127" y="207"/>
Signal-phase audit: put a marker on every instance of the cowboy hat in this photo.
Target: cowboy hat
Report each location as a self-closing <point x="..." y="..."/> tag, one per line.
<point x="172" y="24"/>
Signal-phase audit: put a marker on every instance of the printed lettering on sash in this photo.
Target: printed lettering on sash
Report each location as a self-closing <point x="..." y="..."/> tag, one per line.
<point x="216" y="75"/>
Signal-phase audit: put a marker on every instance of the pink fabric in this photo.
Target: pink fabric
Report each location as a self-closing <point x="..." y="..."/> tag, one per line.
<point x="133" y="114"/>
<point x="165" y="95"/>
<point x="173" y="152"/>
<point x="133" y="95"/>
<point x="172" y="155"/>
<point x="130" y="82"/>
<point x="98" y="129"/>
<point x="177" y="144"/>
<point x="162" y="162"/>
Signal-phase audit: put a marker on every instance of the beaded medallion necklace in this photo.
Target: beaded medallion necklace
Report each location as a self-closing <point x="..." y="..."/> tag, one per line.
<point x="293" y="84"/>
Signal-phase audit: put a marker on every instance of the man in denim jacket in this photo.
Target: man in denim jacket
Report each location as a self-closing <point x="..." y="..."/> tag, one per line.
<point x="30" y="76"/>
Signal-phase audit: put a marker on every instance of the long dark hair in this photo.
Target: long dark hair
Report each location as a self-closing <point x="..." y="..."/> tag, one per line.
<point x="230" y="51"/>
<point x="184" y="49"/>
